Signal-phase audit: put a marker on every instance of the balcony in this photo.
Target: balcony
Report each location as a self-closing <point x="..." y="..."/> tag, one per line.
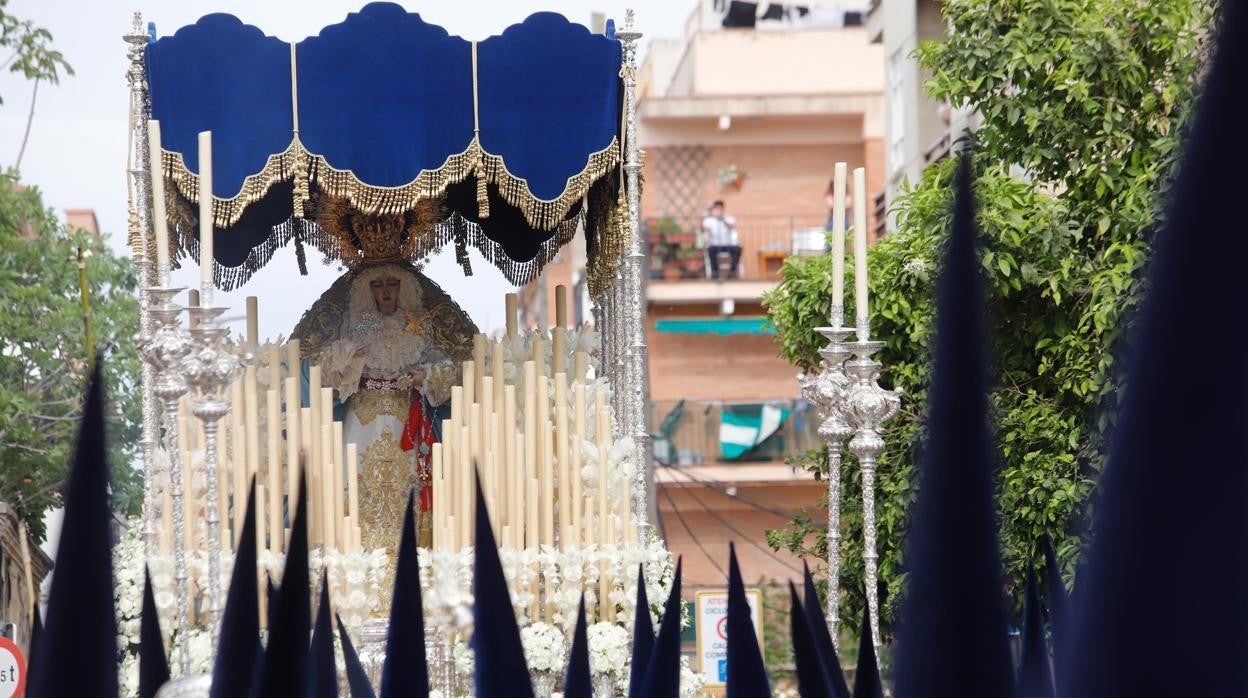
<point x="677" y="255"/>
<point x="689" y="432"/>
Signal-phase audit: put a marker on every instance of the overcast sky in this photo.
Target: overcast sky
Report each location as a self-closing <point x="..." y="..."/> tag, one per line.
<point x="77" y="149"/>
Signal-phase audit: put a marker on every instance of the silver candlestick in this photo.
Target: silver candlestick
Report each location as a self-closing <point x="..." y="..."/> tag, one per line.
<point x="828" y="392"/>
<point x="166" y="348"/>
<point x="867" y="407"/>
<point x="209" y="369"/>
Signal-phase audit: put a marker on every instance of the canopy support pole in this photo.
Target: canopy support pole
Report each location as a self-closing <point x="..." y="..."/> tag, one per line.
<point x="637" y="383"/>
<point x="138" y="189"/>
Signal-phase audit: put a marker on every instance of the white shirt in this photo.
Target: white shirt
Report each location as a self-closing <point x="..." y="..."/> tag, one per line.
<point x="720" y="230"/>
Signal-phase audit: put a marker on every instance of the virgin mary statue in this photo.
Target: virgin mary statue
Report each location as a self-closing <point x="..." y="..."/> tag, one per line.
<point x="390" y="343"/>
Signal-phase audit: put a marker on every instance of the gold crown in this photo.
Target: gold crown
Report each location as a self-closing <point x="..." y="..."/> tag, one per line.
<point x="358" y="238"/>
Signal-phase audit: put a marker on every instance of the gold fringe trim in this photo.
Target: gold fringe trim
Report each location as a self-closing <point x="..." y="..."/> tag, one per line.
<point x="227" y="211"/>
<point x="416" y="248"/>
<point x="541" y="214"/>
<point x="613" y="240"/>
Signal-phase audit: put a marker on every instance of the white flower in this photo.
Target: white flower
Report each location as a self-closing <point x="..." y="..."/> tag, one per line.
<point x="544" y="647"/>
<point x="691" y="682"/>
<point x="608" y="649"/>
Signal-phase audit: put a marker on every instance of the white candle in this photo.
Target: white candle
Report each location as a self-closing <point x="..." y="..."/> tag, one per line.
<point x="512" y="303"/>
<point x="838" y="241"/>
<point x="205" y="210"/>
<point x="160" y="226"/>
<point x="860" y="250"/>
<point x="253" y="323"/>
<point x="273" y="408"/>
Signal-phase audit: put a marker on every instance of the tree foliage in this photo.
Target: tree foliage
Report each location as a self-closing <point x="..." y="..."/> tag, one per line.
<point x="26" y="49"/>
<point x="1081" y="105"/>
<point x="43" y="353"/>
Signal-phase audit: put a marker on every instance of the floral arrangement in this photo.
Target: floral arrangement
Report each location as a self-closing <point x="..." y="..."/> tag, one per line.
<point x="691" y="682"/>
<point x="545" y="647"/>
<point x="609" y="649"/>
<point x="356" y="580"/>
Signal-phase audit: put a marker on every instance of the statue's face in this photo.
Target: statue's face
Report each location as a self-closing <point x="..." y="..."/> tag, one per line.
<point x="386" y="294"/>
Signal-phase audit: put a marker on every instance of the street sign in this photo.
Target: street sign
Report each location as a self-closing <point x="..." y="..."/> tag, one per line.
<point x="711" y="624"/>
<point x="12" y="670"/>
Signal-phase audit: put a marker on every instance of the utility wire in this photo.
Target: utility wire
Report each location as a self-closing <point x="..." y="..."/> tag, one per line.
<point x="734" y="529"/>
<point x="718" y="486"/>
<point x="692" y="535"/>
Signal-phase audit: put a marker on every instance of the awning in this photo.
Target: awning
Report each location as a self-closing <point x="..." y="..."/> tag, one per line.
<point x="494" y="144"/>
<point x="718" y="326"/>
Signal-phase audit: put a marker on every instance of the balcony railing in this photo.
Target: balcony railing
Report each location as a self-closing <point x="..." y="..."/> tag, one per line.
<point x="765" y="242"/>
<point x="687" y="432"/>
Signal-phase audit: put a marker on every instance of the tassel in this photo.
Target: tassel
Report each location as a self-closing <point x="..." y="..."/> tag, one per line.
<point x="461" y="246"/>
<point x="301" y="255"/>
<point x="483" y="196"/>
<point x="301" y="191"/>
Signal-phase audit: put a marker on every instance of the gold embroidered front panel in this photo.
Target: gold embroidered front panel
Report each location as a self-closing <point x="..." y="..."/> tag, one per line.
<point x="368" y="404"/>
<point x="387" y="474"/>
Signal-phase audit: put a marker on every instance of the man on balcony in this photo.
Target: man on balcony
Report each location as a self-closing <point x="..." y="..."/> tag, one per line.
<point x="719" y="235"/>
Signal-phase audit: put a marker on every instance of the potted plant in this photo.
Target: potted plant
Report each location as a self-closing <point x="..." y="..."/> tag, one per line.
<point x="692" y="261"/>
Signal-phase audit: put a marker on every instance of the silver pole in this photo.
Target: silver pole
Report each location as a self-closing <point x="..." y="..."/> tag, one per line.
<point x="868" y="406"/>
<point x="827" y="391"/>
<point x="638" y="376"/>
<point x="138" y="190"/>
<point x="211" y="369"/>
<point x="166" y="350"/>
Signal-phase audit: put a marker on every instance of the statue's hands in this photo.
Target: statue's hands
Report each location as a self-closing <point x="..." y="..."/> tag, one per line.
<point x="361" y="350"/>
<point x="418" y="376"/>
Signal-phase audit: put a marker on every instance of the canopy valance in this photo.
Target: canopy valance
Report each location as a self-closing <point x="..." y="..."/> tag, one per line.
<point x="512" y="142"/>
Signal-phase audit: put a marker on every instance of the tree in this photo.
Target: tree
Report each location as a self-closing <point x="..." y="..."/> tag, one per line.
<point x="1081" y="104"/>
<point x="27" y="49"/>
<point x="44" y="357"/>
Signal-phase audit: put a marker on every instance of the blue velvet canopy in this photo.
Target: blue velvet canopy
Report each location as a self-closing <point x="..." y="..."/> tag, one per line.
<point x="509" y="144"/>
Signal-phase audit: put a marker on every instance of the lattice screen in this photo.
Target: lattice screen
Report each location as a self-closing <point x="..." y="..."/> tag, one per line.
<point x="678" y="175"/>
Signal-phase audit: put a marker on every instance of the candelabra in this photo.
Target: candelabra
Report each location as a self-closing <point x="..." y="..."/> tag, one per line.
<point x="827" y="391"/>
<point x="165" y="349"/>
<point x="867" y="406"/>
<point x="209" y="369"/>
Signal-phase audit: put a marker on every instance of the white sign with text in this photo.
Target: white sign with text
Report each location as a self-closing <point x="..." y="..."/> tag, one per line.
<point x="711" y="624"/>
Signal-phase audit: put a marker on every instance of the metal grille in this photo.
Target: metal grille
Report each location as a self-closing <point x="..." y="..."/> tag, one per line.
<point x="678" y="175"/>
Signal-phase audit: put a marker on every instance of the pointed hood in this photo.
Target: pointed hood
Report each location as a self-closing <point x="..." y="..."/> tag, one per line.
<point x="283" y="670"/>
<point x="576" y="682"/>
<point x="405" y="672"/>
<point x="238" y="648"/>
<point x="643" y="636"/>
<point x="153" y="662"/>
<point x="322" y="671"/>
<point x="1035" y="679"/>
<point x="1173" y="507"/>
<point x="747" y="675"/>
<point x="500" y="666"/>
<point x="823" y="637"/>
<point x="273" y="596"/>
<point x="867" y="682"/>
<point x="955" y="582"/>
<point x="36" y="630"/>
<point x="357" y="677"/>
<point x="812" y="675"/>
<point x="81" y="630"/>
<point x="662" y="679"/>
<point x="1057" y="602"/>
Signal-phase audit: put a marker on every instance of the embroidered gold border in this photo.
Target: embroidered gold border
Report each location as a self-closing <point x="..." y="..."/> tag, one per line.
<point x="543" y="214"/>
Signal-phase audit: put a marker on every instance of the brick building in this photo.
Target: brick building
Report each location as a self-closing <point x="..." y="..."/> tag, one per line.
<point x="755" y="116"/>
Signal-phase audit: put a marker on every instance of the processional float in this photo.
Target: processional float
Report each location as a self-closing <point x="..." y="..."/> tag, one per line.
<point x="384" y="137"/>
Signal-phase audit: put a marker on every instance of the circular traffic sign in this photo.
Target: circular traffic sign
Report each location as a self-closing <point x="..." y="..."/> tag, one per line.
<point x="721" y="628"/>
<point x="12" y="669"/>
